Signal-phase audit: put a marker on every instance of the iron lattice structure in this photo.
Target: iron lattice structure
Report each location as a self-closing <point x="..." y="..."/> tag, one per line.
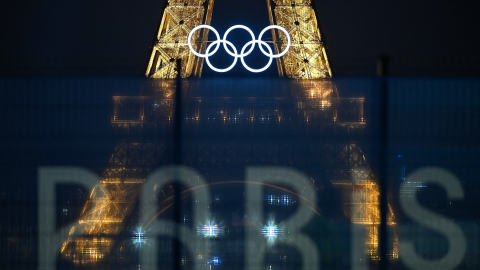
<point x="179" y="17"/>
<point x="102" y="218"/>
<point x="362" y="206"/>
<point x="306" y="59"/>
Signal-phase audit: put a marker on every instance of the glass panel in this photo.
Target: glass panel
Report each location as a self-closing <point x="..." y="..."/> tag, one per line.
<point x="255" y="174"/>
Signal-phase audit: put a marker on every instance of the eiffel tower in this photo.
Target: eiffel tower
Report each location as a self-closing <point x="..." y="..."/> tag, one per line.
<point x="152" y="111"/>
<point x="307" y="58"/>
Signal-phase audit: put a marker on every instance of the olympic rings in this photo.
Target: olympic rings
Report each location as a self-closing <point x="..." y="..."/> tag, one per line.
<point x="242" y="52"/>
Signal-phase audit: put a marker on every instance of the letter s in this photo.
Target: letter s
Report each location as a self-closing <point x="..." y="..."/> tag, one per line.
<point x="456" y="238"/>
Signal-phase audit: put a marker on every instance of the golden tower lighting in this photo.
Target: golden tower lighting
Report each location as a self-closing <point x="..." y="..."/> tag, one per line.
<point x="114" y="198"/>
<point x="306" y="59"/>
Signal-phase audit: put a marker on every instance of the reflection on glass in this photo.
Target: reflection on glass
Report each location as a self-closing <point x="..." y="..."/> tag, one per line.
<point x="307" y="104"/>
<point x="363" y="198"/>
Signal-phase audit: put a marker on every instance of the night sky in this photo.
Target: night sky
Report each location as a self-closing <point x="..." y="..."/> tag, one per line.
<point x="114" y="37"/>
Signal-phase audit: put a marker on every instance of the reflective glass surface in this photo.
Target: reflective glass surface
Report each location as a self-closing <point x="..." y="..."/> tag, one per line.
<point x="106" y="173"/>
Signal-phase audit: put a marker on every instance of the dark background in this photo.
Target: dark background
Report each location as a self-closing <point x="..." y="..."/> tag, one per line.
<point x="114" y="37"/>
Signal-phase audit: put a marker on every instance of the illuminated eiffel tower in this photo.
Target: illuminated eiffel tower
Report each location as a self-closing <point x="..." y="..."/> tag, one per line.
<point x="307" y="58"/>
<point x="136" y="155"/>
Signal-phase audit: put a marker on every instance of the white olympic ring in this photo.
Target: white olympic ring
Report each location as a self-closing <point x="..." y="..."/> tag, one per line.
<point x="242" y="52"/>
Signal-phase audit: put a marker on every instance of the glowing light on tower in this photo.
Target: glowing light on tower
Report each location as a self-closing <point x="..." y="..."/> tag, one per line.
<point x="139" y="236"/>
<point x="216" y="260"/>
<point x="210" y="229"/>
<point x="271" y="231"/>
<point x="271" y="199"/>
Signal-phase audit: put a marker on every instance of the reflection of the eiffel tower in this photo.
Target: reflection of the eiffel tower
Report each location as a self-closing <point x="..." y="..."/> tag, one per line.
<point x="362" y="205"/>
<point x="142" y="125"/>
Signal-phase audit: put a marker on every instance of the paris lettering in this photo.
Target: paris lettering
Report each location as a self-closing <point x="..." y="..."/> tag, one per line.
<point x="50" y="240"/>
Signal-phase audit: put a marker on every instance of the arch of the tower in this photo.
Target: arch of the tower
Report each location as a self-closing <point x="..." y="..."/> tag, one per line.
<point x="306" y="58"/>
